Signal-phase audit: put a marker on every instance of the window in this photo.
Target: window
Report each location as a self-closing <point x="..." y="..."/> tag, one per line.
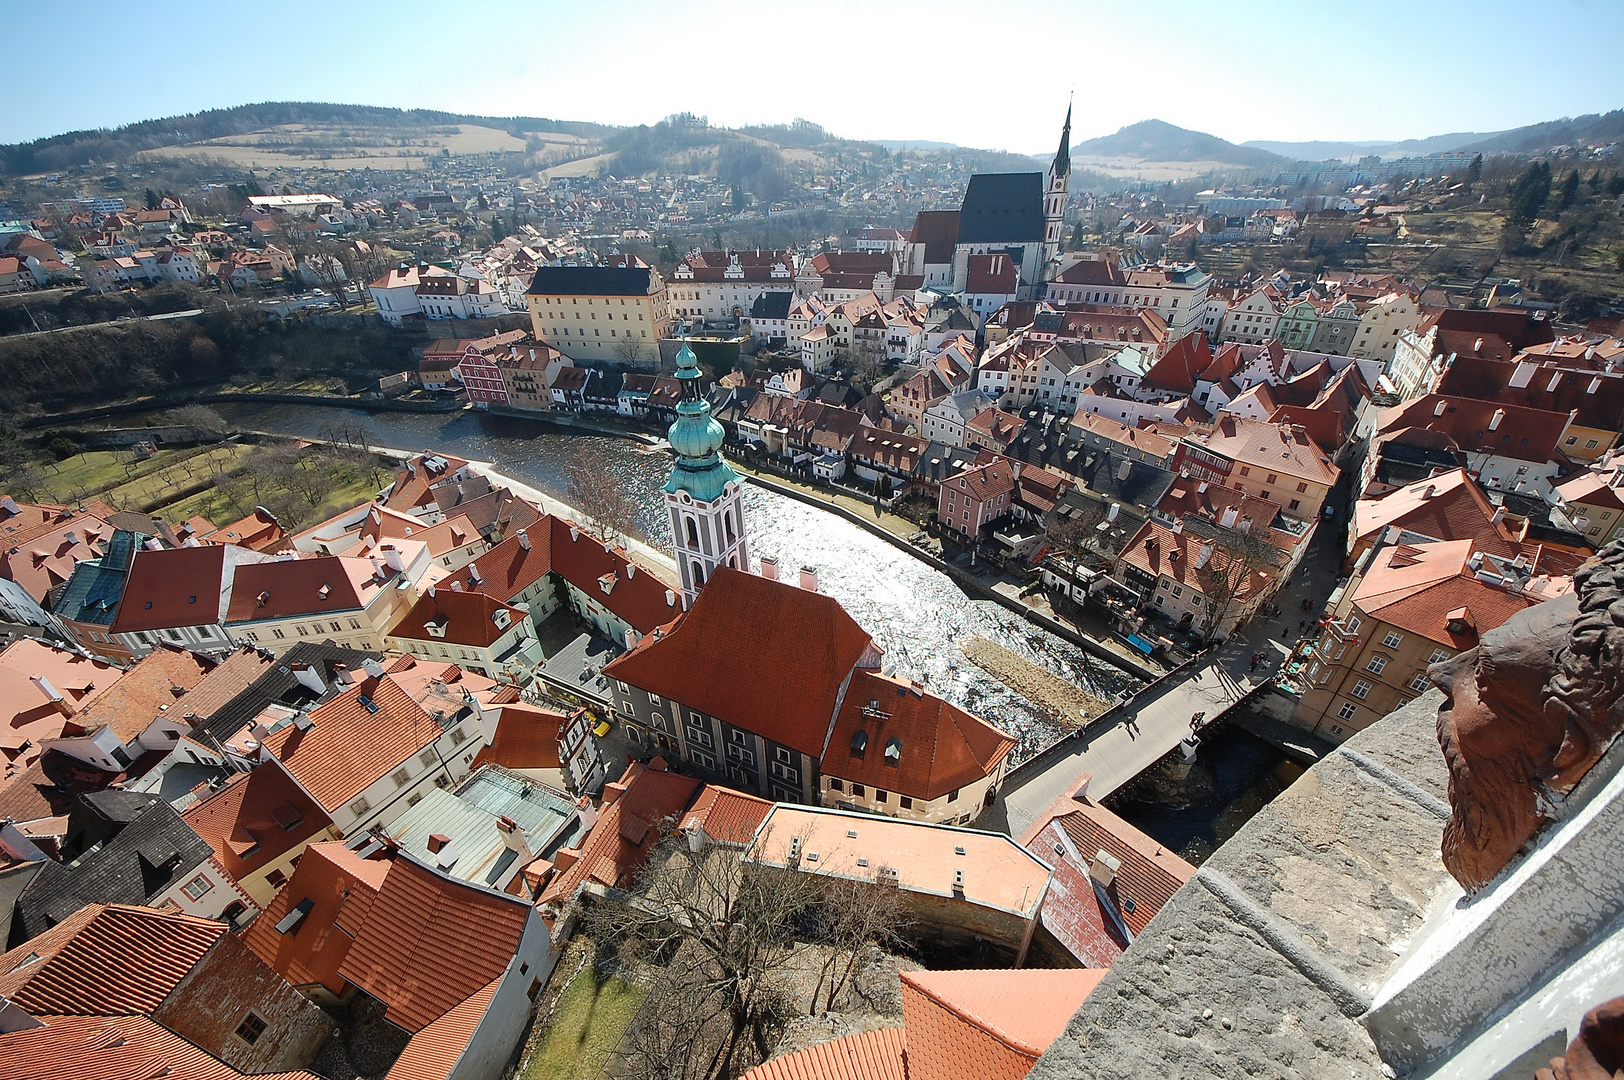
<point x="858" y="790"/>
<point x="196" y="887"/>
<point x="277" y="633"/>
<point x="1272" y="478"/>
<point x="1347" y="711"/>
<point x="1391" y="641"/>
<point x="251" y="1028"/>
<point x="458" y="736"/>
<point x="783" y="755"/>
<point x="1438" y="656"/>
<point x="1353" y="624"/>
<point x="702" y="759"/>
<point x="1246" y="470"/>
<point x="276" y="879"/>
<point x="360" y="806"/>
<point x="907" y="803"/>
<point x="736" y="737"/>
<point x="400" y="777"/>
<point x="881" y="795"/>
<point x="835" y="785"/>
<point x="1419" y="683"/>
<point x="1377" y="663"/>
<point x="426" y="758"/>
<point x="1360" y="689"/>
<point x="1295" y="503"/>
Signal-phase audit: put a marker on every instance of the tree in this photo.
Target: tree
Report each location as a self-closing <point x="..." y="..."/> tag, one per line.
<point x="1229" y="576"/>
<point x="1569" y="191"/>
<point x="1474" y="171"/>
<point x="610" y="511"/>
<point x="200" y="420"/>
<point x="1072" y="536"/>
<point x="1528" y="194"/>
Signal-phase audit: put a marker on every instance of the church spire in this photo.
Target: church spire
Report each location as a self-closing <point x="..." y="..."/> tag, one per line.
<point x="703" y="496"/>
<point x="1062" y="157"/>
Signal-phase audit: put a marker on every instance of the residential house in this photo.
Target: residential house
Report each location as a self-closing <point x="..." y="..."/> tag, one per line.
<point x="1200" y="583"/>
<point x="348" y="601"/>
<point x="969" y="503"/>
<point x="1506" y="446"/>
<point x="142" y="712"/>
<point x="946" y="420"/>
<point x="1407" y="607"/>
<point x="991" y="281"/>
<point x="992" y="429"/>
<point x="600" y="312"/>
<point x="1274" y="462"/>
<point x="178" y="596"/>
<point x="42" y="689"/>
<point x="1593" y="399"/>
<point x="726" y="285"/>
<point x="1592" y="499"/>
<point x="259" y="824"/>
<point x="485" y="635"/>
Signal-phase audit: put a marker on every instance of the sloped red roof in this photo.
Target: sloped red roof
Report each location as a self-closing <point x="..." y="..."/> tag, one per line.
<point x="725" y="815"/>
<point x="288" y="587"/>
<point x="942" y="747"/>
<point x="526" y="738"/>
<point x="158" y="683"/>
<point x="509" y="568"/>
<point x="113" y="1048"/>
<point x="1178" y="367"/>
<point x="341" y="887"/>
<point x="635" y="595"/>
<point x="113" y="958"/>
<point x="433" y="1052"/>
<point x="626" y="831"/>
<point x="462" y="618"/>
<point x="348" y="745"/>
<point x="992" y="1025"/>
<point x="865" y="1055"/>
<point x="762" y="655"/>
<point x="429" y="943"/>
<point x="256" y="818"/>
<point x="172" y="587"/>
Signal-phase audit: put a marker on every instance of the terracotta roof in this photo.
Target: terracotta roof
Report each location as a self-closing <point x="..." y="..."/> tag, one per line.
<point x="1262" y="445"/>
<point x="1416" y="587"/>
<point x="1516" y="432"/>
<point x="992" y="1025"/>
<point x="50" y="786"/>
<point x="259" y="531"/>
<point x="172" y="587"/>
<point x="433" y="1052"/>
<point x="158" y="683"/>
<point x="509" y="568"/>
<point x="999" y="873"/>
<point x="985" y="481"/>
<point x="382" y="523"/>
<point x="940" y="747"/>
<point x="628" y="828"/>
<point x="21" y="522"/>
<point x="1215" y="578"/>
<point x="458" y="618"/>
<point x="429" y="943"/>
<point x="798" y="648"/>
<point x="999" y="426"/>
<point x="341" y="887"/>
<point x="1092" y="272"/>
<point x="112" y="958"/>
<point x="636" y="594"/>
<point x="1448" y="506"/>
<point x="230" y="677"/>
<point x="256" y="818"/>
<point x="349" y="745"/>
<point x="28" y="713"/>
<point x="1177" y="370"/>
<point x="113" y="1048"/>
<point x="46" y="561"/>
<point x="284" y="588"/>
<point x="1591" y="487"/>
<point x="726" y="816"/>
<point x="1598" y="396"/>
<point x="526" y="738"/>
<point x="866" y="1055"/>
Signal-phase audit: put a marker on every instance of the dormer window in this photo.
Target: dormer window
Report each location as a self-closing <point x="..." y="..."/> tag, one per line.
<point x="859" y="745"/>
<point x="893" y="753"/>
<point x="324" y="592"/>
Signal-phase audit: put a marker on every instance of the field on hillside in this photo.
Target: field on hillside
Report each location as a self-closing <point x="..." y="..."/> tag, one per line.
<point x="1126" y="168"/>
<point x="357" y="146"/>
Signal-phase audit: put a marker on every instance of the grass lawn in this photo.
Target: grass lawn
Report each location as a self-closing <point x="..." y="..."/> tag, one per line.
<point x="590" y="1020"/>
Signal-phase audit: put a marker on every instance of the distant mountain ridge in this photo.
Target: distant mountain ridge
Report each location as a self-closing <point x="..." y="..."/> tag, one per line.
<point x="1157" y="140"/>
<point x="1530" y="139"/>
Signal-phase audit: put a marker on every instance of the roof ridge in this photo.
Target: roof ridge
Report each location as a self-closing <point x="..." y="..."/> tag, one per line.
<point x="991" y="1029"/>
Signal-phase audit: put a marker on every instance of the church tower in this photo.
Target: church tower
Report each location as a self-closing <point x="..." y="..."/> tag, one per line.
<point x="1055" y="184"/>
<point x="704" y="494"/>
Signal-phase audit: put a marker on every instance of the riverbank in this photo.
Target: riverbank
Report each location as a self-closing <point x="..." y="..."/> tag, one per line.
<point x="972" y="586"/>
<point x="1070" y="706"/>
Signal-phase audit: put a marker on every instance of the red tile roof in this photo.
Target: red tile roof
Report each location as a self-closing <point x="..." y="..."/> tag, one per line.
<point x="509" y="568"/>
<point x="1415" y="588"/>
<point x="256" y="818"/>
<point x="259" y="531"/>
<point x="1178" y="368"/>
<point x="429" y="943"/>
<point x="458" y="618"/>
<point x="172" y="587"/>
<point x="433" y="1052"/>
<point x="113" y="1048"/>
<point x="287" y="587"/>
<point x="726" y="816"/>
<point x="349" y="746"/>
<point x="48" y="560"/>
<point x="526" y="738"/>
<point x="628" y="828"/>
<point x="1516" y="432"/>
<point x="866" y="1055"/>
<point x="943" y="748"/>
<point x="1448" y="506"/>
<point x="158" y="683"/>
<point x="112" y="958"/>
<point x="1281" y="450"/>
<point x="225" y="681"/>
<point x="28" y="715"/>
<point x="797" y="648"/>
<point x="635" y="594"/>
<point x="341" y="887"/>
<point x="992" y="1025"/>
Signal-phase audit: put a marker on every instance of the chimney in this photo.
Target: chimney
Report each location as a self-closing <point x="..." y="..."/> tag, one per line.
<point x="302" y="720"/>
<point x="631" y="639"/>
<point x="1228" y="517"/>
<point x="612" y="793"/>
<point x="60" y="703"/>
<point x="809" y="578"/>
<point x="1439" y="409"/>
<point x="513" y="837"/>
<point x="1431" y="490"/>
<point x="769" y="567"/>
<point x="391" y="556"/>
<point x="307" y="677"/>
<point x="1499" y="515"/>
<point x="1111" y="514"/>
<point x="524" y="538"/>
<point x="1103" y="869"/>
<point x="437" y="842"/>
<point x="1204" y="556"/>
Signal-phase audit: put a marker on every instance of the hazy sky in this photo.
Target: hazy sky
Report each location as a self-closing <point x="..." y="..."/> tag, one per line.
<point x="990" y="74"/>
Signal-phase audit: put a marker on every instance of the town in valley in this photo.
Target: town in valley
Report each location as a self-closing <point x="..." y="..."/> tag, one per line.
<point x="488" y="597"/>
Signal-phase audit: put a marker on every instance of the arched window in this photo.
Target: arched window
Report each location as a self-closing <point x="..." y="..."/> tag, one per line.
<point x="693" y="533"/>
<point x="727" y="517"/>
<point x="733" y="560"/>
<point x="234" y="911"/>
<point x="699" y="573"/>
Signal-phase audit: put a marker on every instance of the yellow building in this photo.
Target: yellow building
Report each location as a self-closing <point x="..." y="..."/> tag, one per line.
<point x="613" y="313"/>
<point x="1595" y="503"/>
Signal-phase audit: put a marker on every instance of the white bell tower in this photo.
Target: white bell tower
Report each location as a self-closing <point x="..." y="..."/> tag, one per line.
<point x="704" y="497"/>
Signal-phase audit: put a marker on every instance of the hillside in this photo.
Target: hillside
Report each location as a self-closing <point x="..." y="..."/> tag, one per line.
<point x="1325" y="151"/>
<point x="1568" y="131"/>
<point x="1157" y="140"/>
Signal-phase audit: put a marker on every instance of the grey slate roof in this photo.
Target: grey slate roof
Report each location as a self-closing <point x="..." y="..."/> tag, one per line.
<point x="772" y="305"/>
<point x="277" y="685"/>
<point x="589" y="281"/>
<point x="145" y="858"/>
<point x="1002" y="208"/>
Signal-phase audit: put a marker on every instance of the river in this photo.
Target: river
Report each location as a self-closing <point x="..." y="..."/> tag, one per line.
<point x="915" y="614"/>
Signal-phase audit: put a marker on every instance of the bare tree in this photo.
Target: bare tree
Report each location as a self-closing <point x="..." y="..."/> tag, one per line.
<point x="1072" y="537"/>
<point x="1230" y="576"/>
<point x="200" y="420"/>
<point x="610" y="510"/>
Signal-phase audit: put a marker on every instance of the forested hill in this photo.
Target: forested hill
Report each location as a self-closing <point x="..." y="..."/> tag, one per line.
<point x="119" y="144"/>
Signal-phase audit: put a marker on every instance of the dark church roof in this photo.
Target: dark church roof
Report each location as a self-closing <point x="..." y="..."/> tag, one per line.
<point x="590" y="281"/>
<point x="1002" y="208"/>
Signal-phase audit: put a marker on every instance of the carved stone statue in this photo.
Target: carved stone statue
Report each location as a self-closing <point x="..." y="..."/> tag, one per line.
<point x="1597" y="1053"/>
<point x="1529" y="711"/>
